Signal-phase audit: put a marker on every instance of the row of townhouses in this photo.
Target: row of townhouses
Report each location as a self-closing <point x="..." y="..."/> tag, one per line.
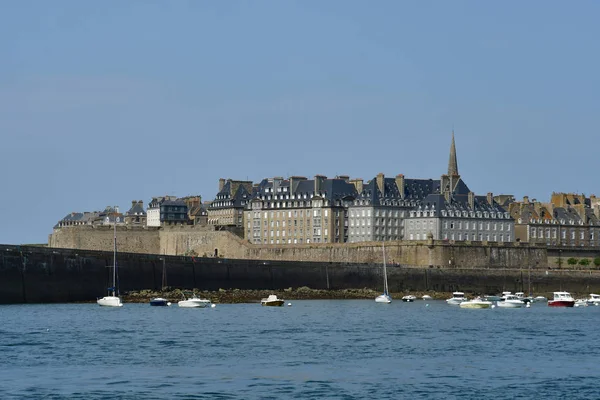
<point x="298" y="210"/>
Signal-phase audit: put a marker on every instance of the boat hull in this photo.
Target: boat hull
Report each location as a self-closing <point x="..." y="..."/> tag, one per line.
<point x="384" y="298"/>
<point x="274" y="303"/>
<point x="110" y="301"/>
<point x="478" y="304"/>
<point x="561" y="303"/>
<point x="194" y="303"/>
<point x="159" y="302"/>
<point x="510" y="304"/>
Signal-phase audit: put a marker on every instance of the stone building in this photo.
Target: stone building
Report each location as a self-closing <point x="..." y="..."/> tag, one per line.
<point x="299" y="210"/>
<point x="567" y="220"/>
<point x="166" y="210"/>
<point x="136" y="215"/>
<point x="94" y="218"/>
<point x="378" y="211"/>
<point x="227" y="209"/>
<point x="452" y="212"/>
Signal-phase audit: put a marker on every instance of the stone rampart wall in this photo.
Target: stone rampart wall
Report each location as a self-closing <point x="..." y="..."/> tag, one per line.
<point x="132" y="240"/>
<point x="205" y="241"/>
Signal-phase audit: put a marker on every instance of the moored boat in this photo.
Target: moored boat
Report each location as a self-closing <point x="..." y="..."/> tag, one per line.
<point x="409" y="298"/>
<point x="457" y="298"/>
<point x="562" y="299"/>
<point x="476" y="303"/>
<point x="427" y="297"/>
<point x="193" y="302"/>
<point x="581" y="303"/>
<point x="272" y="300"/>
<point x="160" y="302"/>
<point x="385" y="296"/>
<point x="594" y="299"/>
<point x="511" y="301"/>
<point x="112" y="299"/>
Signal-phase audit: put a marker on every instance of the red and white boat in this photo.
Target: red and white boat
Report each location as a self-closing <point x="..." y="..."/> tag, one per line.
<point x="562" y="299"/>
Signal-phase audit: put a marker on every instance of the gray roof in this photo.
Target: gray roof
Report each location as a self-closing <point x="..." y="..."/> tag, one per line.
<point x="459" y="202"/>
<point x="331" y="189"/>
<point x="136" y="209"/>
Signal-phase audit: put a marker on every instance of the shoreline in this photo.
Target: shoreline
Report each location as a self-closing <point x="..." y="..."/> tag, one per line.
<point x="236" y="296"/>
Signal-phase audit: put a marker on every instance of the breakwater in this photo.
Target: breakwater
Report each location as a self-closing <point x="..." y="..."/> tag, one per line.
<point x="30" y="274"/>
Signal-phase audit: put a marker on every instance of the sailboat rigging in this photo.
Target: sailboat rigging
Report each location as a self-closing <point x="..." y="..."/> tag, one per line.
<point x="385" y="297"/>
<point x="113" y="299"/>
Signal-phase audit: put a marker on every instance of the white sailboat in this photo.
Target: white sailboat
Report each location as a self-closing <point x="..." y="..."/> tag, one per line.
<point x="113" y="300"/>
<point x="385" y="297"/>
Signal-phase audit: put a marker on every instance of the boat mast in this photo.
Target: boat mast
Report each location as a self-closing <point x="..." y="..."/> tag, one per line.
<point x="385" y="283"/>
<point x="114" y="288"/>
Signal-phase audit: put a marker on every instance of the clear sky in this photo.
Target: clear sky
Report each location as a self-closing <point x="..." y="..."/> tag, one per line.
<point x="105" y="102"/>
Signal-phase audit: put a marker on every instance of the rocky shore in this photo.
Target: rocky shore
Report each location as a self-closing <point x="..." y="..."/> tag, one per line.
<point x="232" y="296"/>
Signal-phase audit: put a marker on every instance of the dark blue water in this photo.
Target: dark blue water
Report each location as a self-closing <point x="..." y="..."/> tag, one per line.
<point x="351" y="349"/>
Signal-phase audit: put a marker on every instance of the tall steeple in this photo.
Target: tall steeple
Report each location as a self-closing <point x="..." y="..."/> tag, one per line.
<point x="452" y="163"/>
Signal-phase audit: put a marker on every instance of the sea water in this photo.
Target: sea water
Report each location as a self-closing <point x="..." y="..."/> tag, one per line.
<point x="333" y="349"/>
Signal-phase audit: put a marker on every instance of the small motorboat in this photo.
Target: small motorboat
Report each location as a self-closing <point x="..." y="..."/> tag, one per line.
<point x="193" y="302"/>
<point x="594" y="299"/>
<point x="457" y="298"/>
<point x="272" y="301"/>
<point x="160" y="302"/>
<point x="521" y="296"/>
<point x="581" y="303"/>
<point x="476" y="303"/>
<point x="427" y="297"/>
<point x="409" y="298"/>
<point x="511" y="301"/>
<point x="562" y="299"/>
<point x="539" y="299"/>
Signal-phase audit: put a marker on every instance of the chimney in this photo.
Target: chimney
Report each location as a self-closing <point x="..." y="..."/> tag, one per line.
<point x="277" y="183"/>
<point x="490" y="198"/>
<point x="358" y="184"/>
<point x="133" y="203"/>
<point x="343" y="177"/>
<point x="525" y="199"/>
<point x="221" y="183"/>
<point x="380" y="183"/>
<point x="471" y="201"/>
<point x="319" y="183"/>
<point x="400" y="184"/>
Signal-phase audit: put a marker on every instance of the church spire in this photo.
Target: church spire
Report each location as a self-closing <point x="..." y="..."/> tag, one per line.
<point x="452" y="163"/>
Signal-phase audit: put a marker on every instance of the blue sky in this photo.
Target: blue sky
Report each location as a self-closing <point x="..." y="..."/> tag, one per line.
<point x="105" y="102"/>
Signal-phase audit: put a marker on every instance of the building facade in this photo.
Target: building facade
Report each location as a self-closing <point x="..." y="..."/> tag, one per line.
<point x="136" y="215"/>
<point x="299" y="210"/>
<point x="166" y="210"/>
<point x="567" y="220"/>
<point x="452" y="212"/>
<point x="227" y="209"/>
<point x="380" y="207"/>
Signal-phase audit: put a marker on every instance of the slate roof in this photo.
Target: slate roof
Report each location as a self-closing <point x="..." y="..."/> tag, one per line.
<point x="136" y="209"/>
<point x="414" y="190"/>
<point x="331" y="189"/>
<point x="459" y="202"/>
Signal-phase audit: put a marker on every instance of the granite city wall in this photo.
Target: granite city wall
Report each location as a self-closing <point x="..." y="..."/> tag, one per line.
<point x="205" y="241"/>
<point x="30" y="274"/>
